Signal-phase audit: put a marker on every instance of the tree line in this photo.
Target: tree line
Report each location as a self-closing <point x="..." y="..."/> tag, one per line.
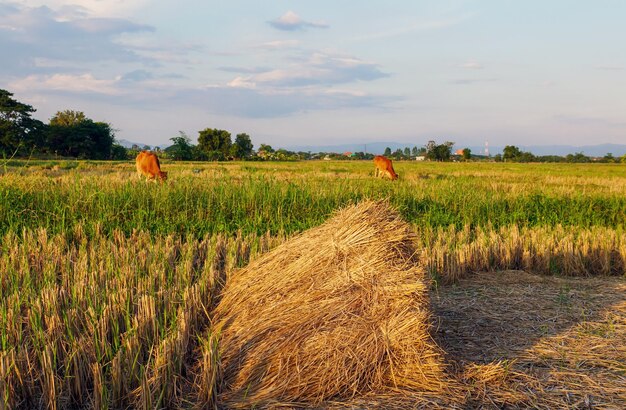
<point x="511" y="153"/>
<point x="71" y="134"/>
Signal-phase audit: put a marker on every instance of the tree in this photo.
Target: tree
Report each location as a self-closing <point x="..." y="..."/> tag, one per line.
<point x="181" y="149"/>
<point x="441" y="152"/>
<point x="19" y="132"/>
<point x="526" y="157"/>
<point x="265" y="151"/>
<point x="68" y="118"/>
<point x="407" y="152"/>
<point x="511" y="153"/>
<point x="578" y="157"/>
<point x="609" y="158"/>
<point x="467" y="154"/>
<point x="118" y="152"/>
<point x="214" y="143"/>
<point x="414" y="151"/>
<point x="430" y="146"/>
<point x="387" y="152"/>
<point x="397" y="154"/>
<point x="242" y="147"/>
<point x="72" y="134"/>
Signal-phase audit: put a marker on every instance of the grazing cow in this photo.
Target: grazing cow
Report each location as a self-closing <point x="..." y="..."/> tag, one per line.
<point x="384" y="168"/>
<point x="148" y="165"/>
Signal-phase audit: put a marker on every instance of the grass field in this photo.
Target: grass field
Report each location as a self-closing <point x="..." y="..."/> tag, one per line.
<point x="107" y="281"/>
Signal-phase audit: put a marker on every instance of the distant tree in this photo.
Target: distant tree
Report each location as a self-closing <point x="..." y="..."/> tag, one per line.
<point x="609" y="158"/>
<point x="242" y="147"/>
<point x="497" y="158"/>
<point x="215" y="143"/>
<point x="68" y="118"/>
<point x="387" y="152"/>
<point x="146" y="148"/>
<point x="467" y="154"/>
<point x="118" y="152"/>
<point x="414" y="151"/>
<point x="265" y="151"/>
<point x="181" y="149"/>
<point x="397" y="154"/>
<point x="623" y="159"/>
<point x="71" y="133"/>
<point x="511" y="153"/>
<point x="19" y="132"/>
<point x="550" y="158"/>
<point x="407" y="152"/>
<point x="430" y="147"/>
<point x="197" y="154"/>
<point x="578" y="157"/>
<point x="441" y="152"/>
<point x="525" y="157"/>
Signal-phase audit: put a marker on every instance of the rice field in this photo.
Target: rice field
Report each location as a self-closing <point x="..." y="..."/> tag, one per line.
<point x="107" y="282"/>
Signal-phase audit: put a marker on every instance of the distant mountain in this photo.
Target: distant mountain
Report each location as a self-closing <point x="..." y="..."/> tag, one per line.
<point x="599" y="150"/>
<point x="370" y="147"/>
<point x="129" y="144"/>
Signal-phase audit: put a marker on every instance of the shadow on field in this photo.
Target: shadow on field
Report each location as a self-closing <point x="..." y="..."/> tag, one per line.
<point x="560" y="342"/>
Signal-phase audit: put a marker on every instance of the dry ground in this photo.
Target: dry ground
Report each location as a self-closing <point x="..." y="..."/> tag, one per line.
<point x="518" y="340"/>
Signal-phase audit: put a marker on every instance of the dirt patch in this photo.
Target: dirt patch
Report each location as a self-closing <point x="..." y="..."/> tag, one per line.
<point x="523" y="340"/>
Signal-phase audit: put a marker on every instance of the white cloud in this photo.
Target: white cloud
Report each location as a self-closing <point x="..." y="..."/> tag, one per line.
<point x="69" y="9"/>
<point x="240" y="82"/>
<point x="290" y="21"/>
<point x="84" y="83"/>
<point x="279" y="44"/>
<point x="472" y="65"/>
<point x="321" y="69"/>
<point x="31" y="35"/>
<point x="255" y="103"/>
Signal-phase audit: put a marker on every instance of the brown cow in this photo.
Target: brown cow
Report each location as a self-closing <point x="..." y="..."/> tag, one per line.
<point x="148" y="165"/>
<point x="384" y="168"/>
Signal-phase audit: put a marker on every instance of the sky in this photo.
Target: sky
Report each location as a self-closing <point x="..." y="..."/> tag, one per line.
<point x="304" y="72"/>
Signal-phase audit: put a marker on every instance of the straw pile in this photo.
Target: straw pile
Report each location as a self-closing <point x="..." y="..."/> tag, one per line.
<point x="337" y="312"/>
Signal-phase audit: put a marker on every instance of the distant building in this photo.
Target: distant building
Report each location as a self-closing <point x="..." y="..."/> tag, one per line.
<point x="347" y="154"/>
<point x="420" y="157"/>
<point x="458" y="152"/>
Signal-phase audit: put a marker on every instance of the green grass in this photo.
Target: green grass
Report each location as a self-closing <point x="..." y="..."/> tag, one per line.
<point x="291" y="197"/>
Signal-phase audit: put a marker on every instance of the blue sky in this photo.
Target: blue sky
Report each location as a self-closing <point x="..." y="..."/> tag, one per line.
<point x="324" y="72"/>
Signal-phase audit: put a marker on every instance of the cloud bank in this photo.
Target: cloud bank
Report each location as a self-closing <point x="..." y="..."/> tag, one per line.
<point x="290" y="21"/>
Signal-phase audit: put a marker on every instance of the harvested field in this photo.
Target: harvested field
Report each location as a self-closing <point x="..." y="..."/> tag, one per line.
<point x="524" y="340"/>
<point x="108" y="285"/>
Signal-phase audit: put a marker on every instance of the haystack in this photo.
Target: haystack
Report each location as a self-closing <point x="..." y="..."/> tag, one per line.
<point x="340" y="311"/>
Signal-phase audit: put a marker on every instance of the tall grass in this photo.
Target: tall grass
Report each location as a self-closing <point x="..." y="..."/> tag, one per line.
<point x="108" y="320"/>
<point x="256" y="198"/>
